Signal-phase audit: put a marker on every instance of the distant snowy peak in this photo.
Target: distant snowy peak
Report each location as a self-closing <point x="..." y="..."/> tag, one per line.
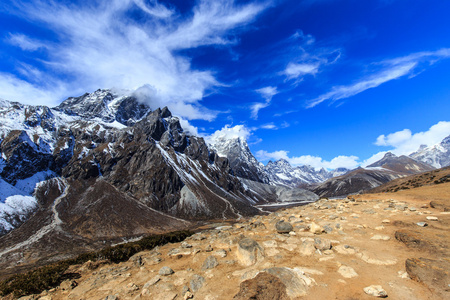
<point x="437" y="155"/>
<point x="106" y="105"/>
<point x="281" y="172"/>
<point x="241" y="159"/>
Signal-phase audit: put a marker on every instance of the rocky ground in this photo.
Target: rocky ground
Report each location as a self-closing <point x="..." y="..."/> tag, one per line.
<point x="379" y="245"/>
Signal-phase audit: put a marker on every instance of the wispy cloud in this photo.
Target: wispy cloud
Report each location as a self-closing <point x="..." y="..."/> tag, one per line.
<point x="390" y="70"/>
<point x="295" y="70"/>
<point x="267" y="93"/>
<point x="316" y="162"/>
<point x="102" y="44"/>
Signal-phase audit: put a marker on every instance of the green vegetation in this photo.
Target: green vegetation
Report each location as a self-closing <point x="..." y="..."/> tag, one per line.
<point x="47" y="277"/>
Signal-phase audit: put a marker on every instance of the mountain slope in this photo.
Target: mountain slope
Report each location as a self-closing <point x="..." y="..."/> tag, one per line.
<point x="386" y="169"/>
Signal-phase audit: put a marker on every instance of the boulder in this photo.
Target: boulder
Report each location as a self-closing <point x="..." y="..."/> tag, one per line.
<point x="165" y="271"/>
<point x="283" y="227"/>
<point x="249" y="252"/>
<point x="263" y="286"/>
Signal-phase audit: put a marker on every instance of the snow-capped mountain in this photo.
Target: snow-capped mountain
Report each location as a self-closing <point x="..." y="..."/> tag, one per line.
<point x="281" y="172"/>
<point x="241" y="159"/>
<point x="436" y="155"/>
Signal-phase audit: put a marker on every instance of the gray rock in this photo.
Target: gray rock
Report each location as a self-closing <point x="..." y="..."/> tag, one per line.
<point x="196" y="282"/>
<point x="294" y="286"/>
<point x="165" y="271"/>
<point x="322" y="244"/>
<point x="327" y="228"/>
<point x="152" y="281"/>
<point x="249" y="252"/>
<point x="283" y="227"/>
<point x="422" y="224"/>
<point x="210" y="263"/>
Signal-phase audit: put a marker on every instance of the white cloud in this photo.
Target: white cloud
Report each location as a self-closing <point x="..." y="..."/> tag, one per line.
<point x="404" y="142"/>
<point x="316" y="162"/>
<point x="227" y="133"/>
<point x="269" y="126"/>
<point x="188" y="127"/>
<point x="25" y="43"/>
<point x="294" y="70"/>
<point x="391" y="69"/>
<point x="267" y="93"/>
<point x="101" y="46"/>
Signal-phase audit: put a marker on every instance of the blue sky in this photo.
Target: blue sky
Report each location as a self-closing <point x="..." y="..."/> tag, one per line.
<point x="330" y="83"/>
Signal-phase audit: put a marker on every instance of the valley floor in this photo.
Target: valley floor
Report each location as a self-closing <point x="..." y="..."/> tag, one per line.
<point x="336" y="249"/>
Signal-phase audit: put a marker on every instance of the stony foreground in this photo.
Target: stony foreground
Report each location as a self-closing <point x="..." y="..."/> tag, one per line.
<point x="359" y="248"/>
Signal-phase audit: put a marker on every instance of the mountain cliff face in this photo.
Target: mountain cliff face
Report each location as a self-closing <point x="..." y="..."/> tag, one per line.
<point x="241" y="159"/>
<point x="437" y="155"/>
<point x="386" y="169"/>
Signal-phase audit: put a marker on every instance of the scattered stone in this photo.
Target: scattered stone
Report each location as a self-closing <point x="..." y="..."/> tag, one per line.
<point x="67" y="285"/>
<point x="375" y="261"/>
<point x="221" y="253"/>
<point x="307" y="248"/>
<point x="347" y="272"/>
<point x="111" y="297"/>
<point x="263" y="286"/>
<point x="210" y="263"/>
<point x="316" y="229"/>
<point x="196" y="282"/>
<point x="209" y="248"/>
<point x="327" y="229"/>
<point x="430" y="218"/>
<point x="385" y="221"/>
<point x="249" y="252"/>
<point x="132" y="287"/>
<point x="422" y="224"/>
<point x="188" y="295"/>
<point x="165" y="271"/>
<point x="379" y="228"/>
<point x="186" y="245"/>
<point x="283" y="227"/>
<point x="379" y="237"/>
<point x="152" y="281"/>
<point x="269" y="244"/>
<point x="322" y="244"/>
<point x="403" y="274"/>
<point x="375" y="290"/>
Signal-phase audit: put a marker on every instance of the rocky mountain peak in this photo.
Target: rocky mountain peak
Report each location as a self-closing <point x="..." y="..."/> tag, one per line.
<point x="106" y="105"/>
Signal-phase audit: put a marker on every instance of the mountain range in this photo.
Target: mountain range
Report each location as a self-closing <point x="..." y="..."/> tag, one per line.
<point x="103" y="168"/>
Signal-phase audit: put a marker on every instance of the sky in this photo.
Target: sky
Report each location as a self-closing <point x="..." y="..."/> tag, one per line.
<point x="328" y="83"/>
